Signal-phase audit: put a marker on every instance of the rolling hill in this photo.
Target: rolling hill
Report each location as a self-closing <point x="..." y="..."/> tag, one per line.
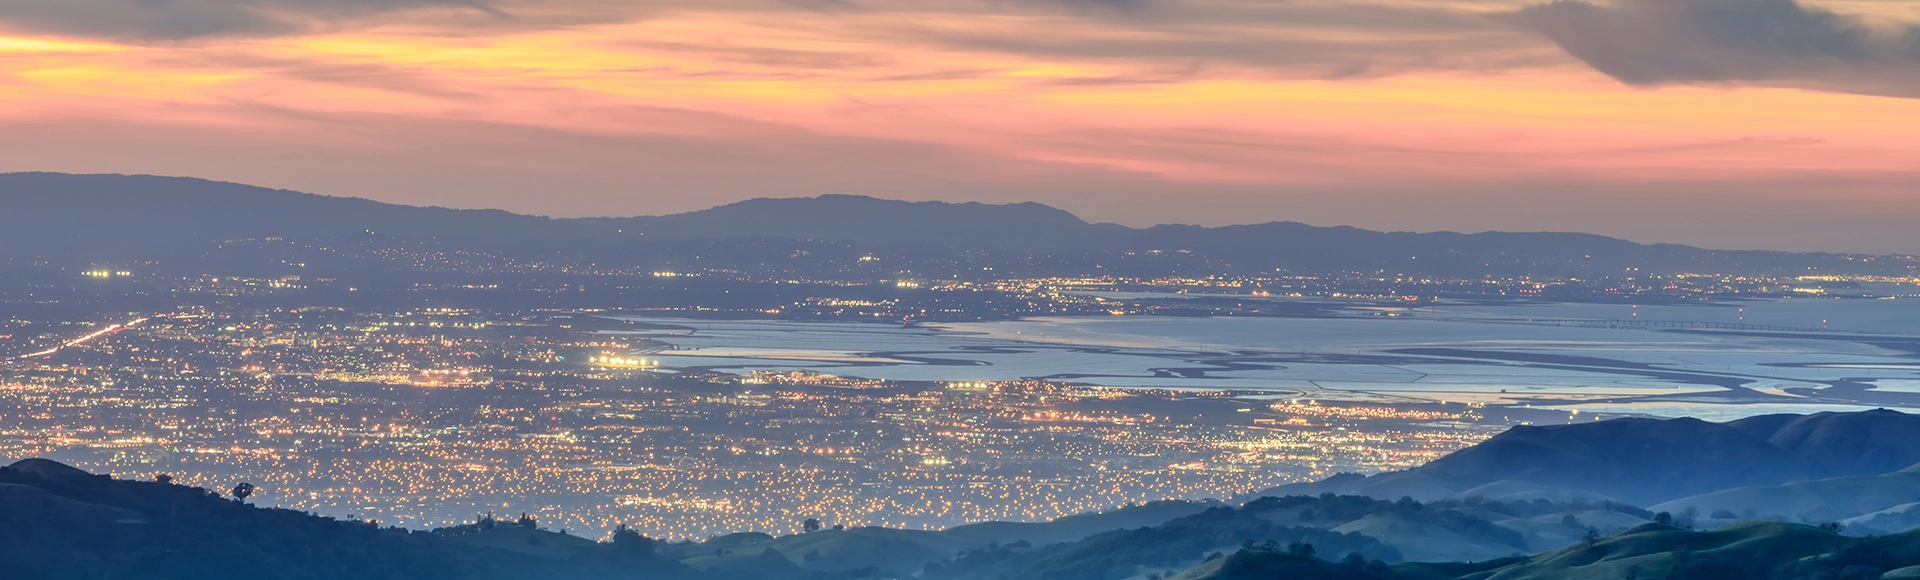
<point x="1747" y="550"/>
<point x="1649" y="461"/>
<point x="1816" y="501"/>
<point x="57" y="522"/>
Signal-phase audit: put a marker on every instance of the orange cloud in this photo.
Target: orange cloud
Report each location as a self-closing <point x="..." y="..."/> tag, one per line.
<point x="694" y="104"/>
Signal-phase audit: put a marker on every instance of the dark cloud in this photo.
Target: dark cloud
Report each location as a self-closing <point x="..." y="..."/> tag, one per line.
<point x="1286" y="55"/>
<point x="1306" y="39"/>
<point x="186" y="19"/>
<point x="1654" y="42"/>
<point x="1310" y="38"/>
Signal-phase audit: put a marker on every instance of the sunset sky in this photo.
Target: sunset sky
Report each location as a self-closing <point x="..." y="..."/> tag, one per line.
<point x="1726" y="123"/>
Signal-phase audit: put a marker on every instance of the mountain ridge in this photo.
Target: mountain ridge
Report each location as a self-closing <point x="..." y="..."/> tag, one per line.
<point x="1650" y="461"/>
<point x="106" y="217"/>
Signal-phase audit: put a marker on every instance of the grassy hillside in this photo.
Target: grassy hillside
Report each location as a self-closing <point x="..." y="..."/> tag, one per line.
<point x="1747" y="550"/>
<point x="1898" y="518"/>
<point x="1816" y="501"/>
<point x="1268" y="564"/>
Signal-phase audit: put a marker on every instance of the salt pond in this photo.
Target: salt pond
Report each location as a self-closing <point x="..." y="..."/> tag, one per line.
<point x="1449" y="352"/>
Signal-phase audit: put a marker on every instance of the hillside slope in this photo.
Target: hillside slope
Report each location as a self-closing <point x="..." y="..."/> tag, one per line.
<point x="1816" y="501"/>
<point x="57" y="522"/>
<point x="1649" y="461"/>
<point x="1749" y="550"/>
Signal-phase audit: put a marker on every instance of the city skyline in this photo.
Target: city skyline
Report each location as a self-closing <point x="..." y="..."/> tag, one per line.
<point x="1790" y="131"/>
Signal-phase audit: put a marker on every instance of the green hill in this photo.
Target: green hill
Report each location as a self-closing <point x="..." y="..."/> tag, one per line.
<point x="1262" y="564"/>
<point x="1267" y="564"/>
<point x="1816" y="501"/>
<point x="1898" y="518"/>
<point x="1747" y="550"/>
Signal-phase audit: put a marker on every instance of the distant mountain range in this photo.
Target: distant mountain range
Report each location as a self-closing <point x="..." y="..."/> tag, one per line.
<point x="122" y="217"/>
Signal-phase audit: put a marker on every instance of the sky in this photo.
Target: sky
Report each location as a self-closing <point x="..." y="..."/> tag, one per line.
<point x="1775" y="124"/>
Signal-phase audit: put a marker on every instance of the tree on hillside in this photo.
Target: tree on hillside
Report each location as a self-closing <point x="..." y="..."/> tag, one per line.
<point x="631" y="542"/>
<point x="1355" y="561"/>
<point x="526" y="521"/>
<point x="242" y="492"/>
<point x="1302" y="549"/>
<point x="163" y="478"/>
<point x="811" y="525"/>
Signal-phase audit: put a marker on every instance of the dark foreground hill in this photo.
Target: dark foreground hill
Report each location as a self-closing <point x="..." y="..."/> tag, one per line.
<point x="57" y="522"/>
<point x="96" y="218"/>
<point x="1649" y="461"/>
<point x="1370" y="533"/>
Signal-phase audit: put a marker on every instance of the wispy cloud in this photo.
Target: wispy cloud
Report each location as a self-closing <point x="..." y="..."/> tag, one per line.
<point x="159" y="20"/>
<point x="640" y="106"/>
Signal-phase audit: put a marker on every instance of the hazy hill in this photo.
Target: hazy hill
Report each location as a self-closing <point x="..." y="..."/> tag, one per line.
<point x="120" y="217"/>
<point x="1264" y="564"/>
<point x="1267" y="564"/>
<point x="1748" y="550"/>
<point x="1898" y="518"/>
<point x="1816" y="501"/>
<point x="1648" y="461"/>
<point x="1835" y="444"/>
<point x="1756" y="550"/>
<point x="854" y="218"/>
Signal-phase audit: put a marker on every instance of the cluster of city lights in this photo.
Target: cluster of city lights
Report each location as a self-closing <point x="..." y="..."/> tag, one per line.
<point x="622" y="362"/>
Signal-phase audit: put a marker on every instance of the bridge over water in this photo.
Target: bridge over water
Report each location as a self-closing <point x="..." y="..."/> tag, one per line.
<point x="1638" y="323"/>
